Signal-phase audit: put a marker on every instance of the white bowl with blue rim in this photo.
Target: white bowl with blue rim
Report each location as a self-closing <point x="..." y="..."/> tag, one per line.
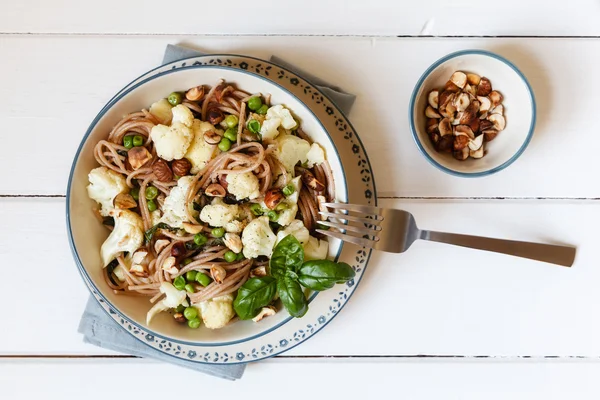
<point x="519" y="111"/>
<point x="242" y="341"/>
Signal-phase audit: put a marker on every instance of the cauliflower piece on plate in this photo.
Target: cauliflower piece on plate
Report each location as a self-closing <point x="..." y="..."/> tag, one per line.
<point x="315" y="249"/>
<point x="243" y="186"/>
<point x="283" y="114"/>
<point x="172" y="299"/>
<point x="219" y="214"/>
<point x="162" y="111"/>
<point x="258" y="238"/>
<point x="174" y="205"/>
<point x="126" y="236"/>
<point x="268" y="129"/>
<point x="315" y="156"/>
<point x="216" y="312"/>
<point x="291" y="150"/>
<point x="172" y="142"/>
<point x="105" y="185"/>
<point x="200" y="153"/>
<point x="297" y="229"/>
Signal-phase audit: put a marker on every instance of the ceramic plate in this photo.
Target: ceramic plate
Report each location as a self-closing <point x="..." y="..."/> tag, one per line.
<point x="279" y="335"/>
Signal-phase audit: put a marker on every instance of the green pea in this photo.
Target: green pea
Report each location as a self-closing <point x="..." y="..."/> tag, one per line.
<point x="135" y="193"/>
<point x="128" y="141"/>
<point x="240" y="256"/>
<point x="281" y="206"/>
<point x="138" y="140"/>
<point x="200" y="239"/>
<point x="218" y="232"/>
<point x="187" y="261"/>
<point x="288" y="190"/>
<point x="253" y="126"/>
<point x="180" y="308"/>
<point x="151" y="192"/>
<point x="321" y="226"/>
<point x="189" y="288"/>
<point x="231" y="134"/>
<point x="179" y="283"/>
<point x="224" y="144"/>
<point x="190" y="313"/>
<point x="194" y="323"/>
<point x="263" y="109"/>
<point x="256" y="209"/>
<point x="254" y="103"/>
<point x="190" y="276"/>
<point x="151" y="205"/>
<point x="230" y="256"/>
<point x="203" y="279"/>
<point x="273" y="216"/>
<point x="231" y="121"/>
<point x="175" y="98"/>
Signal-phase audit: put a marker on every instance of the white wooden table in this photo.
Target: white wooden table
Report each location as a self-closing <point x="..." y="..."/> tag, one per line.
<point x="436" y="322"/>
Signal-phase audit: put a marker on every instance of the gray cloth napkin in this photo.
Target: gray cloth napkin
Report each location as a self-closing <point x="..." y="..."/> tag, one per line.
<point x="99" y="329"/>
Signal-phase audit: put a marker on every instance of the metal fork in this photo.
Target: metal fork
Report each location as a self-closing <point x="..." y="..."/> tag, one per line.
<point x="395" y="231"/>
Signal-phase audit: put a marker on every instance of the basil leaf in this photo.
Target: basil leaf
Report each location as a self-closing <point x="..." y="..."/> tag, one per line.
<point x="255" y="294"/>
<point x="292" y="296"/>
<point x="288" y="254"/>
<point x="161" y="225"/>
<point x="324" y="274"/>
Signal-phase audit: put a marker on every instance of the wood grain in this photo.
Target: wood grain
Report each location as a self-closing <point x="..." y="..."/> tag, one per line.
<point x="58" y="98"/>
<point x="433" y="299"/>
<point x="309" y="17"/>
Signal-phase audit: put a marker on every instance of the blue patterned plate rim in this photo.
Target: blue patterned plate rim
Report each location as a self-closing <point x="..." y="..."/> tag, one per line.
<point x="126" y="90"/>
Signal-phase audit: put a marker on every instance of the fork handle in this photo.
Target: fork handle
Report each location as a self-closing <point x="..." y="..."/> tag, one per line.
<point x="561" y="255"/>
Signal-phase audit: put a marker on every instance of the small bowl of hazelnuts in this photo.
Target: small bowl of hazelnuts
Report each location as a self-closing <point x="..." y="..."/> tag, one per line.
<point x="472" y="113"/>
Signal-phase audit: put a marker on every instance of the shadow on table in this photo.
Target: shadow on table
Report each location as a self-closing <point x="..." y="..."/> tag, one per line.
<point x="536" y="74"/>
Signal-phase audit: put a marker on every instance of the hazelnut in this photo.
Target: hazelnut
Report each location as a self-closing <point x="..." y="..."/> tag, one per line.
<point x="218" y="273"/>
<point x="498" y="121"/>
<point x="179" y="317"/>
<point x="485" y="125"/>
<point x="309" y="180"/>
<point x="445" y="144"/>
<point x="496" y="98"/>
<point x="124" y="201"/>
<point x="474" y="125"/>
<point x="433" y="98"/>
<point x="138" y="270"/>
<point x="460" y="142"/>
<point x="233" y="241"/>
<point x="212" y="137"/>
<point x="432" y="125"/>
<point x="499" y="109"/>
<point x="160" y="245"/>
<point x="138" y="157"/>
<point x="476" y="143"/>
<point x="431" y="113"/>
<point x="191" y="228"/>
<point x="434" y="137"/>
<point x="451" y="86"/>
<point x="215" y="116"/>
<point x="479" y="153"/>
<point x="461" y="155"/>
<point x="459" y="79"/>
<point x="473" y="79"/>
<point x="181" y="167"/>
<point x="265" y="312"/>
<point x="223" y="181"/>
<point x="195" y="93"/>
<point x="258" y="272"/>
<point x="464" y="130"/>
<point x="490" y="134"/>
<point x="273" y="197"/>
<point x="485" y="87"/>
<point x="470" y="113"/>
<point x="215" y="190"/>
<point x="443" y="98"/>
<point x="162" y="171"/>
<point x="178" y="250"/>
<point x="445" y="127"/>
<point x="485" y="104"/>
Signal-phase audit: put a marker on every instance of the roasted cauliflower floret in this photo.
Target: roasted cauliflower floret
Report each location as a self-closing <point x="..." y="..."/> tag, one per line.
<point x="105" y="185"/>
<point x="127" y="235"/>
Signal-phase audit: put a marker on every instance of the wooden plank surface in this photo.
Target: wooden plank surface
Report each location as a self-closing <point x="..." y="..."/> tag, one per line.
<point x="299" y="379"/>
<point x="560" y="161"/>
<point x="433" y="299"/>
<point x="310" y="17"/>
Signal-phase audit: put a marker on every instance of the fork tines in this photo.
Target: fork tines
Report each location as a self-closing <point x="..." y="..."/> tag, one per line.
<point x="359" y="229"/>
